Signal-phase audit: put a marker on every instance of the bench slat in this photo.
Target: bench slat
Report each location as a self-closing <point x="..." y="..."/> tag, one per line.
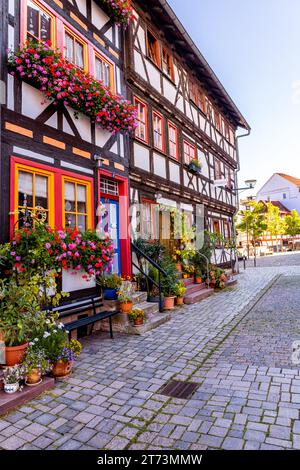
<point x="88" y="320"/>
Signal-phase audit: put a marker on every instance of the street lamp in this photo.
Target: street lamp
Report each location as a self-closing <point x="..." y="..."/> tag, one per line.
<point x="250" y="184"/>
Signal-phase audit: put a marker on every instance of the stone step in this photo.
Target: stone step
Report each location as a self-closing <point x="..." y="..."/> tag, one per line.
<point x="195" y="297"/>
<point x="148" y="308"/>
<point x="195" y="288"/>
<point x="153" y="322"/>
<point x="139" y="297"/>
<point x="188" y="282"/>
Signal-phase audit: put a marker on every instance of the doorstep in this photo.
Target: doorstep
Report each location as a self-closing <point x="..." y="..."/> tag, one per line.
<point x="9" y="402"/>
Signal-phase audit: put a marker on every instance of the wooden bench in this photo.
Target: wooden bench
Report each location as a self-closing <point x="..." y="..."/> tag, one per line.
<point x="81" y="306"/>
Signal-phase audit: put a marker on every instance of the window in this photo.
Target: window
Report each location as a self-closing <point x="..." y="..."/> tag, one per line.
<point x="173" y="141"/>
<point x="227" y="230"/>
<point x="109" y="186"/>
<point x="40" y="23"/>
<point x="202" y="102"/>
<point x="231" y="136"/>
<point x="141" y="131"/>
<point x="149" y="220"/>
<point x="34" y="190"/>
<point x="284" y="195"/>
<point x="167" y="64"/>
<point x="189" y="151"/>
<point x="216" y="227"/>
<point x="158" y="131"/>
<point x="218" y="172"/>
<point x="217" y="120"/>
<point x="226" y="130"/>
<point x="104" y="71"/>
<point x="197" y="96"/>
<point x="153" y="48"/>
<point x="77" y="203"/>
<point x="75" y="50"/>
<point x="194" y="92"/>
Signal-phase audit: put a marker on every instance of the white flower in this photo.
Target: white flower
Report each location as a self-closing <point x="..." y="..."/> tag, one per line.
<point x="54" y="331"/>
<point x="31" y="343"/>
<point x="67" y="331"/>
<point x="46" y="334"/>
<point x="60" y="326"/>
<point x="36" y="340"/>
<point x="47" y="322"/>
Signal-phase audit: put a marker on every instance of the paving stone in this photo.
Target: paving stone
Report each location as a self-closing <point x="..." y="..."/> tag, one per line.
<point x="232" y="443"/>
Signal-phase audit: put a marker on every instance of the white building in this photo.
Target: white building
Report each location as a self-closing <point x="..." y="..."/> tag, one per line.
<point x="283" y="188"/>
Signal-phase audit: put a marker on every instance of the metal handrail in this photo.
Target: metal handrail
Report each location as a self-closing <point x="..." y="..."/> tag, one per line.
<point x="161" y="272"/>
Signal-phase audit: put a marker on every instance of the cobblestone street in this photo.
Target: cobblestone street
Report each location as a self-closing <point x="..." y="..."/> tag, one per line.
<point x="236" y="345"/>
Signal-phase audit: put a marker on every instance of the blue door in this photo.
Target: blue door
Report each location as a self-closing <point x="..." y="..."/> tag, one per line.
<point x="111" y="225"/>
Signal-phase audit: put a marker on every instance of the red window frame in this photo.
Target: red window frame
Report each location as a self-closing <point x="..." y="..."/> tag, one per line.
<point x="156" y="114"/>
<point x="138" y="103"/>
<point x="218" y="121"/>
<point x="171" y="143"/>
<point x="188" y="156"/>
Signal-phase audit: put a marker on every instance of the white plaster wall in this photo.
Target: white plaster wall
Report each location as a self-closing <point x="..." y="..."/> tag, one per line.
<point x="82" y="6"/>
<point x="32" y="101"/>
<point x="99" y="18"/>
<point x="159" y="165"/>
<point x="142" y="39"/>
<point x="82" y="123"/>
<point x="139" y="66"/>
<point x="169" y="90"/>
<point x="174" y="172"/>
<point x="154" y="76"/>
<point x="10" y="92"/>
<point x="141" y="157"/>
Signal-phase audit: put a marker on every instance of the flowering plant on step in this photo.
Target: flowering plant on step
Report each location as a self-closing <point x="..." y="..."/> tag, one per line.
<point x="64" y="83"/>
<point x="120" y="10"/>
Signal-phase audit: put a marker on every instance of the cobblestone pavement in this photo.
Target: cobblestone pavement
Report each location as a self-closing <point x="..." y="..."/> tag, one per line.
<point x="235" y="344"/>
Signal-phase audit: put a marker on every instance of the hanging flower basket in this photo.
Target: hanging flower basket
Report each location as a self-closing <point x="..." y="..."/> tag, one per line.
<point x="195" y="166"/>
<point x="64" y="83"/>
<point x="120" y="11"/>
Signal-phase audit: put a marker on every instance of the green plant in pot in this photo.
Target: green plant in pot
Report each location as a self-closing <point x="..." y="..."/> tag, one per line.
<point x="137" y="316"/>
<point x="12" y="377"/>
<point x="110" y="283"/>
<point x="19" y="317"/>
<point x="35" y="364"/>
<point x="169" y="282"/>
<point x="180" y="290"/>
<point x="125" y="297"/>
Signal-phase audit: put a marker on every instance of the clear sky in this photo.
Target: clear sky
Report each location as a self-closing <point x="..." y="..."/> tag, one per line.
<point x="253" y="46"/>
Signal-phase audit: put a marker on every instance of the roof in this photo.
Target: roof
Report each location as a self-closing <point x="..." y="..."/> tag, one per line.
<point x="177" y="34"/>
<point x="291" y="179"/>
<point x="280" y="206"/>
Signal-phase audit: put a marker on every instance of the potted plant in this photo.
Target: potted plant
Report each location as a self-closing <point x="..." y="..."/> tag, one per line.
<point x="19" y="315"/>
<point x="198" y="278"/>
<point x="11" y="380"/>
<point x="125" y="297"/>
<point x="180" y="290"/>
<point x="63" y="363"/>
<point x="169" y="282"/>
<point x="137" y="316"/>
<point x="110" y="283"/>
<point x="34" y="365"/>
<point x="195" y="166"/>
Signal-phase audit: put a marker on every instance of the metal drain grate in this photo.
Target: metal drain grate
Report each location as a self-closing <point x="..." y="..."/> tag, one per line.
<point x="176" y="389"/>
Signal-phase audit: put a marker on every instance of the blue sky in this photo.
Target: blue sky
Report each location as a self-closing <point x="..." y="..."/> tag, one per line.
<point x="254" y="48"/>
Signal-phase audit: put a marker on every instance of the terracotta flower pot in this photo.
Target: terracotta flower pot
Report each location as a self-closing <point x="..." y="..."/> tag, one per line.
<point x="15" y="354"/>
<point x="198" y="280"/>
<point x="34" y="377"/>
<point x="185" y="276"/>
<point x="169" y="303"/>
<point x="61" y="368"/>
<point x="179" y="300"/>
<point x="138" y="321"/>
<point x="126" y="307"/>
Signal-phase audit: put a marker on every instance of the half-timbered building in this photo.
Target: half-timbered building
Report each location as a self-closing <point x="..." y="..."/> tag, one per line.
<point x="184" y="113"/>
<point x="51" y="159"/>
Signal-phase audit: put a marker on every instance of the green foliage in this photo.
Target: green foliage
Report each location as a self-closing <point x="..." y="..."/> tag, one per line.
<point x="170" y="281"/>
<point x="110" y="281"/>
<point x="153" y="250"/>
<point x="275" y="225"/>
<point x="180" y="289"/>
<point x="35" y="358"/>
<point x="136" y="313"/>
<point x="253" y="221"/>
<point x="292" y="224"/>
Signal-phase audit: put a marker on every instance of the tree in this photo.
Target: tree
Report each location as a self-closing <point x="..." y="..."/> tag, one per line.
<point x="275" y="224"/>
<point x="253" y="222"/>
<point x="292" y="224"/>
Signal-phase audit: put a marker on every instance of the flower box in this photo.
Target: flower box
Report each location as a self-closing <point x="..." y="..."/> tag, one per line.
<point x="63" y="83"/>
<point x="119" y="10"/>
<point x="194" y="168"/>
